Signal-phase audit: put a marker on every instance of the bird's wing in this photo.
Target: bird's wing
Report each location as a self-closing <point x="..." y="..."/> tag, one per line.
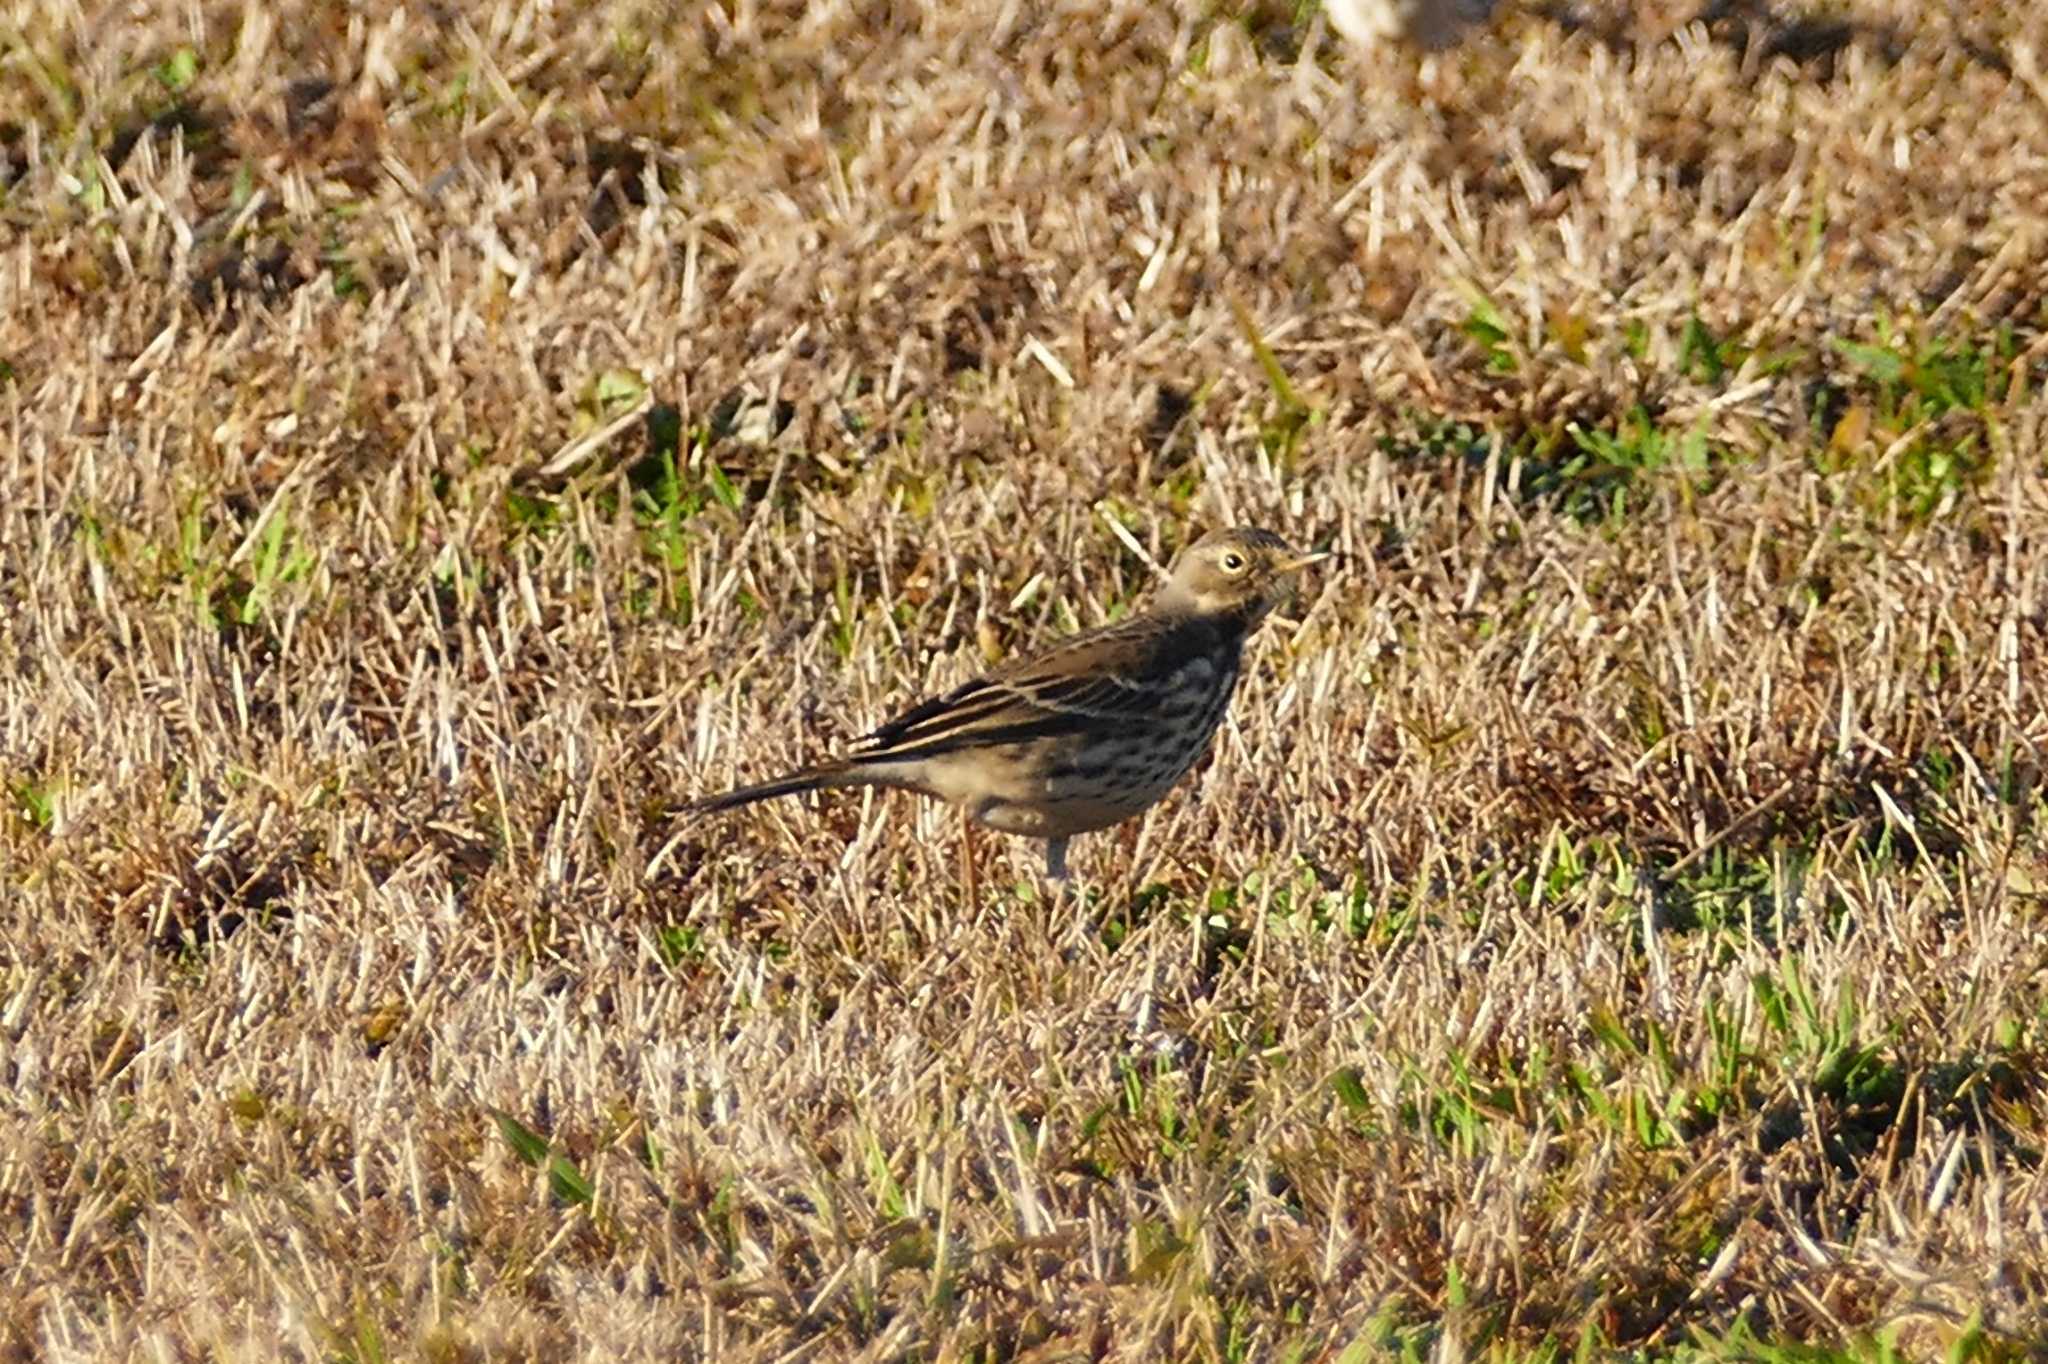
<point x="1103" y="678"/>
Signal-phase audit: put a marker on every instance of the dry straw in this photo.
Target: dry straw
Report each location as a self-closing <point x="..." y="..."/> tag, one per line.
<point x="1613" y="913"/>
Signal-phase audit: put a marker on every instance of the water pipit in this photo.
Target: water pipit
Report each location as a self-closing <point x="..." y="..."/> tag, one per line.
<point x="1431" y="25"/>
<point x="1089" y="733"/>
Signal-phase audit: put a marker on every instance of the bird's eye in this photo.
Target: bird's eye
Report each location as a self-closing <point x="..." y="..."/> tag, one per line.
<point x="1233" y="562"/>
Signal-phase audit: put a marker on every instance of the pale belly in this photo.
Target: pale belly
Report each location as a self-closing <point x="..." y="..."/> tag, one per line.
<point x="1056" y="789"/>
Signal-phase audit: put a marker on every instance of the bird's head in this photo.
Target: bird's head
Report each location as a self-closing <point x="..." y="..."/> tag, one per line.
<point x="1238" y="574"/>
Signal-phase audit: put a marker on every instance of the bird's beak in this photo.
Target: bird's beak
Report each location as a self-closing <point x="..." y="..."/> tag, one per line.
<point x="1301" y="561"/>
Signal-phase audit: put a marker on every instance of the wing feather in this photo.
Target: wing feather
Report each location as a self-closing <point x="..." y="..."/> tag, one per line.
<point x="1106" y="677"/>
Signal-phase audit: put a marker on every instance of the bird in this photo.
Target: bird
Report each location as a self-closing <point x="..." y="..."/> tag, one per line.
<point x="1430" y="25"/>
<point x="1089" y="733"/>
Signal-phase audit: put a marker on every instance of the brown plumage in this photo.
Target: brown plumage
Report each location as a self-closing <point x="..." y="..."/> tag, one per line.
<point x="1092" y="731"/>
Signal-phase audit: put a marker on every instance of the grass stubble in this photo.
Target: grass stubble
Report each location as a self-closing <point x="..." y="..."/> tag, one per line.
<point x="435" y="441"/>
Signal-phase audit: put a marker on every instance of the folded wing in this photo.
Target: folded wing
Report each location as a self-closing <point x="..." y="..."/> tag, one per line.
<point x="1102" y="679"/>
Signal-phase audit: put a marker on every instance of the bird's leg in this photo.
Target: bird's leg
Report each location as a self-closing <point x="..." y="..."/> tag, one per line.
<point x="967" y="886"/>
<point x="1056" y="861"/>
<point x="1062" y="890"/>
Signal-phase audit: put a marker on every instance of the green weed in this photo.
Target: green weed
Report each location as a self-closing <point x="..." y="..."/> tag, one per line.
<point x="1821" y="1041"/>
<point x="34" y="803"/>
<point x="1488" y="328"/>
<point x="566" y="1182"/>
<point x="1289" y="417"/>
<point x="1922" y="403"/>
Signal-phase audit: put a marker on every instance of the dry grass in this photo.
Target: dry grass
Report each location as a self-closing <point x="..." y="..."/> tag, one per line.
<point x="1613" y="919"/>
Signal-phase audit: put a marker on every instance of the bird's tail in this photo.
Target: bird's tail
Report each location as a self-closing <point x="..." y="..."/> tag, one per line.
<point x="810" y="779"/>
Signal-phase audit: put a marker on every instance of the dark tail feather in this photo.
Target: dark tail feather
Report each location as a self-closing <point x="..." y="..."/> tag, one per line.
<point x="810" y="779"/>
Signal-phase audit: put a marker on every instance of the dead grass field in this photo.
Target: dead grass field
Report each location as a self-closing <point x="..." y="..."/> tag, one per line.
<point x="435" y="440"/>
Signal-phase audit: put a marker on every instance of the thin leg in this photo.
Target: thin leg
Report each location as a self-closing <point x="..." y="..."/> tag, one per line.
<point x="967" y="886"/>
<point x="1056" y="859"/>
<point x="1065" y="902"/>
<point x="1056" y="885"/>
